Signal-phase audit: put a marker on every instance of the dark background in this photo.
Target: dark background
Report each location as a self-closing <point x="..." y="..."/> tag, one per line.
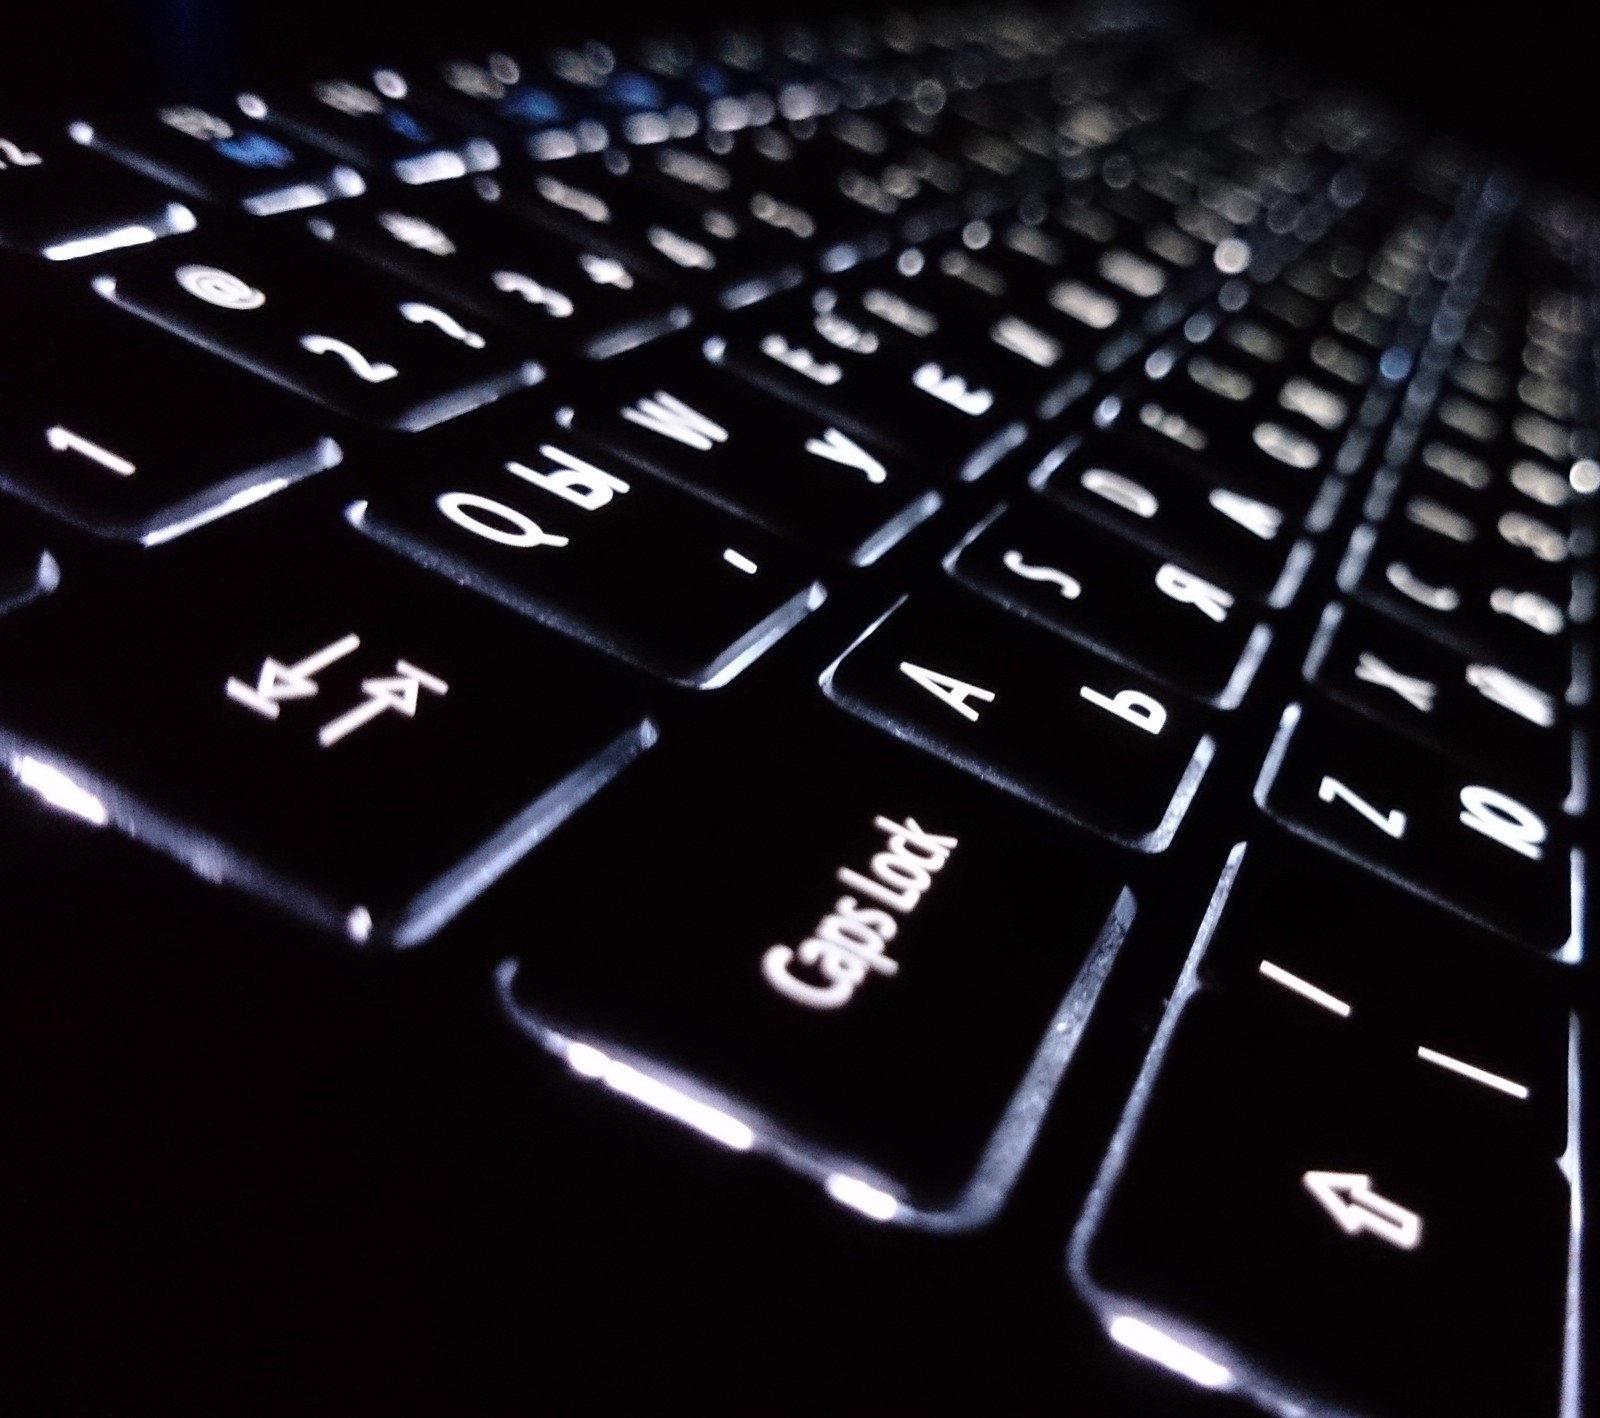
<point x="1514" y="78"/>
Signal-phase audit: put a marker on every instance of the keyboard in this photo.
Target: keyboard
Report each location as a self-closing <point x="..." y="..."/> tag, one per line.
<point x="885" y="714"/>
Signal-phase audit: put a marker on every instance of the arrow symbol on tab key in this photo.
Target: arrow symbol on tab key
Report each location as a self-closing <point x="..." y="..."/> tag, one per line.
<point x="1348" y="1197"/>
<point x="401" y="692"/>
<point x="278" y="681"/>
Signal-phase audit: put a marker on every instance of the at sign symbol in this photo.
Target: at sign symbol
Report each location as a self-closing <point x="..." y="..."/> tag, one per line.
<point x="217" y="287"/>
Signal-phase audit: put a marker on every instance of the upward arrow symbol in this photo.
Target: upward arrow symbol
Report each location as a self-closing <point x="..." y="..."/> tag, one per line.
<point x="1348" y="1197"/>
<point x="277" y="681"/>
<point x="400" y="692"/>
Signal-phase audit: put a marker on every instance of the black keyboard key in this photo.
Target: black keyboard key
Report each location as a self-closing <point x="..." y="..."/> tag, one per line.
<point x="848" y="209"/>
<point x="373" y="130"/>
<point x="344" y="335"/>
<point x="785" y="468"/>
<point x="558" y="529"/>
<point x="1456" y="496"/>
<point x="811" y="1019"/>
<point x="1128" y="602"/>
<point x="710" y="252"/>
<point x="1455" y="703"/>
<point x="134" y="433"/>
<point x="1451" y="833"/>
<point x="695" y="186"/>
<point x="1056" y="725"/>
<point x="333" y="731"/>
<point x="221" y="158"/>
<point x="1418" y="578"/>
<point x="1222" y="398"/>
<point x="1227" y="525"/>
<point x="494" y="100"/>
<point x="1022" y="348"/>
<point x="927" y="402"/>
<point x="1302" y="928"/>
<point x="61" y="203"/>
<point x="561" y="296"/>
<point x="1262" y="348"/>
<point x="1336" y="359"/>
<point x="1176" y="419"/>
<point x="1067" y="267"/>
<point x="1288" y="1216"/>
<point x="1502" y="536"/>
<point x="985" y="282"/>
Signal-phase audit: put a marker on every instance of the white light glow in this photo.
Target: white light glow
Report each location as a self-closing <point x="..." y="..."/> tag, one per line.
<point x="430" y="167"/>
<point x="59" y="791"/>
<point x="1304" y="988"/>
<point x="861" y="1196"/>
<point x="631" y="1083"/>
<point x="739" y="561"/>
<point x="1477" y="1075"/>
<point x="589" y="1062"/>
<point x="552" y="145"/>
<point x="244" y="498"/>
<point x="112" y="240"/>
<point x="286" y="199"/>
<point x="645" y="128"/>
<point x="1150" y="1343"/>
<point x="1232" y="256"/>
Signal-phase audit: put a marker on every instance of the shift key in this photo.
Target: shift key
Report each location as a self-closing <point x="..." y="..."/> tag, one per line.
<point x="874" y="974"/>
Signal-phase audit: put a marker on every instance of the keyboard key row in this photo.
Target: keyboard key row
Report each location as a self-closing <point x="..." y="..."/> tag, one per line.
<point x="1337" y="1183"/>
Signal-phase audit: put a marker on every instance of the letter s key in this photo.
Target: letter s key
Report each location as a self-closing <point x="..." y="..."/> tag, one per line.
<point x="1069" y="586"/>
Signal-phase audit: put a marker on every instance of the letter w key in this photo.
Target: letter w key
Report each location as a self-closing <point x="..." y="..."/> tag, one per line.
<point x="277" y="681"/>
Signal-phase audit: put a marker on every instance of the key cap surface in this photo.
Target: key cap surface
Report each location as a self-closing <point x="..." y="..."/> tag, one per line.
<point x="553" y="526"/>
<point x="61" y="203"/>
<point x="1048" y="721"/>
<point x="566" y="297"/>
<point x="1130" y="603"/>
<point x="220" y="157"/>
<point x="1434" y="825"/>
<point x="359" y="125"/>
<point x="1304" y="1226"/>
<point x="307" y="318"/>
<point x="1227" y="525"/>
<point x="785" y="468"/>
<point x="136" y="434"/>
<point x="1429" y="991"/>
<point x="859" y="974"/>
<point x="1459" y="704"/>
<point x="1520" y="620"/>
<point x="927" y="402"/>
<point x="329" y="730"/>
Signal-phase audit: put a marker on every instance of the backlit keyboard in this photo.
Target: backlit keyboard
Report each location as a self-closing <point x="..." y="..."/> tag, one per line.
<point x="985" y="619"/>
